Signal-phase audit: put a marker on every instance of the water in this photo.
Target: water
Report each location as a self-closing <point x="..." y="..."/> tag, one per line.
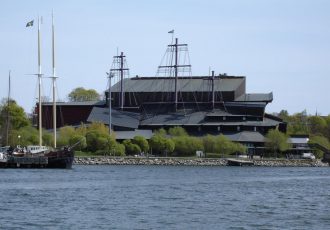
<point x="161" y="197"/>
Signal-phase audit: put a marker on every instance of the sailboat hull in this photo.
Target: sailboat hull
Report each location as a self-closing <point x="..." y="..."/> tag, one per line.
<point x="62" y="159"/>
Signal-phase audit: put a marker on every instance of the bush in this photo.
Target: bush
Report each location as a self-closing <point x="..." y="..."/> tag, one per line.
<point x="161" y="145"/>
<point x="81" y="140"/>
<point x="177" y="131"/>
<point x="65" y="133"/>
<point x="118" y="150"/>
<point x="131" y="149"/>
<point x="28" y="136"/>
<point x="277" y="141"/>
<point x="141" y="142"/>
<point x="187" y="146"/>
<point x="321" y="140"/>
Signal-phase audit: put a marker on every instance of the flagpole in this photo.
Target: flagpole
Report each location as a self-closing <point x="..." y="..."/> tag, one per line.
<point x="54" y="79"/>
<point x="172" y="37"/>
<point x="39" y="79"/>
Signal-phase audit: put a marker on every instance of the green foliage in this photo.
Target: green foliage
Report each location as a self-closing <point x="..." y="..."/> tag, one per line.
<point x="99" y="141"/>
<point x="209" y="143"/>
<point x="277" y="141"/>
<point x="118" y="150"/>
<point x="82" y="94"/>
<point x="77" y="138"/>
<point x="47" y="138"/>
<point x="98" y="138"/>
<point x="161" y="132"/>
<point x="318" y="125"/>
<point x="177" y="131"/>
<point x="81" y="130"/>
<point x="160" y="144"/>
<point x="222" y="145"/>
<point x="17" y="116"/>
<point x="65" y="134"/>
<point x="17" y="119"/>
<point x="28" y="136"/>
<point x="131" y="149"/>
<point x="321" y="140"/>
<point x="99" y="127"/>
<point x="141" y="142"/>
<point x="187" y="145"/>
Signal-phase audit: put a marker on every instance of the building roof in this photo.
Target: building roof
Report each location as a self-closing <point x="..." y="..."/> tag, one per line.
<point x="118" y="118"/>
<point x="75" y="103"/>
<point x="134" y="120"/>
<point x="197" y="118"/>
<point x="255" y="97"/>
<point x="185" y="84"/>
<point x="246" y="136"/>
<point x="124" y="135"/>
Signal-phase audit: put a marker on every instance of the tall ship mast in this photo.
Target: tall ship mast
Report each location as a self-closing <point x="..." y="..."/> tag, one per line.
<point x="54" y="80"/>
<point x="177" y="62"/>
<point x="39" y="83"/>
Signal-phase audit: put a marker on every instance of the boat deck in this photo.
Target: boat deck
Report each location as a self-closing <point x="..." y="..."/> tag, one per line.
<point x="239" y="162"/>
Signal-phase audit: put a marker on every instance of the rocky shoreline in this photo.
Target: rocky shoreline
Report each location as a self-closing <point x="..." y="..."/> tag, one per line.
<point x="192" y="162"/>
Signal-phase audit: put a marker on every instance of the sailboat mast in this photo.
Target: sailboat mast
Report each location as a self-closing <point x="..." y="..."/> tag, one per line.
<point x="54" y="80"/>
<point x="8" y="117"/>
<point x="39" y="79"/>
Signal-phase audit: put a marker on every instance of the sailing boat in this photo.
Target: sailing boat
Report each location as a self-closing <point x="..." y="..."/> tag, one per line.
<point x="57" y="158"/>
<point x="39" y="156"/>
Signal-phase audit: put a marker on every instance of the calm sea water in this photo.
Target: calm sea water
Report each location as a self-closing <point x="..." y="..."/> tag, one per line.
<point x="161" y="197"/>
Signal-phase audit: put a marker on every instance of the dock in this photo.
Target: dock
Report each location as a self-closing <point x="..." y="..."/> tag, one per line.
<point x="239" y="162"/>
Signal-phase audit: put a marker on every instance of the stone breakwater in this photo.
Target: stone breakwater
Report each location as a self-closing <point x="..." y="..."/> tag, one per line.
<point x="191" y="162"/>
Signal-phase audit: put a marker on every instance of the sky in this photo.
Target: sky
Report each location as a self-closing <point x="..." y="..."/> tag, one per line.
<point x="281" y="46"/>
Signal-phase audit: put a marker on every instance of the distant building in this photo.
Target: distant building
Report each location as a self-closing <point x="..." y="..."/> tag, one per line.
<point x="200" y="104"/>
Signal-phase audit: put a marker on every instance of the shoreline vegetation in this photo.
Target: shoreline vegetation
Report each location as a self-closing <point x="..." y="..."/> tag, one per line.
<point x="180" y="161"/>
<point x="93" y="139"/>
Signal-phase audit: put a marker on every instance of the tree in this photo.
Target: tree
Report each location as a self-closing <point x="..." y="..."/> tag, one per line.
<point x="131" y="149"/>
<point x="161" y="132"/>
<point x="277" y="141"/>
<point x="317" y="125"/>
<point x="187" y="145"/>
<point x="160" y="144"/>
<point x="141" y="142"/>
<point x="82" y="94"/>
<point x="16" y="117"/>
<point x="321" y="140"/>
<point x="118" y="150"/>
<point x="177" y="131"/>
<point x="283" y="114"/>
<point x="209" y="143"/>
<point x="28" y="136"/>
<point x="222" y="145"/>
<point x="79" y="140"/>
<point x="65" y="134"/>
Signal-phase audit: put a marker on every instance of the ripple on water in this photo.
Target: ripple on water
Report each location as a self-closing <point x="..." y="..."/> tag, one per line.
<point x="151" y="197"/>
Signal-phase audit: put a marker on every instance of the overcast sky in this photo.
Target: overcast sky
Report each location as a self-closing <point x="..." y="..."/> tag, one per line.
<point x="281" y="46"/>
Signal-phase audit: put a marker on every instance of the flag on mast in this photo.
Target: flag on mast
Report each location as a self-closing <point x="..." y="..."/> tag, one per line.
<point x="29" y="23"/>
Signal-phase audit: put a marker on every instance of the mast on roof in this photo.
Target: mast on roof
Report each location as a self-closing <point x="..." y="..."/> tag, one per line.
<point x="119" y="69"/>
<point x="172" y="67"/>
